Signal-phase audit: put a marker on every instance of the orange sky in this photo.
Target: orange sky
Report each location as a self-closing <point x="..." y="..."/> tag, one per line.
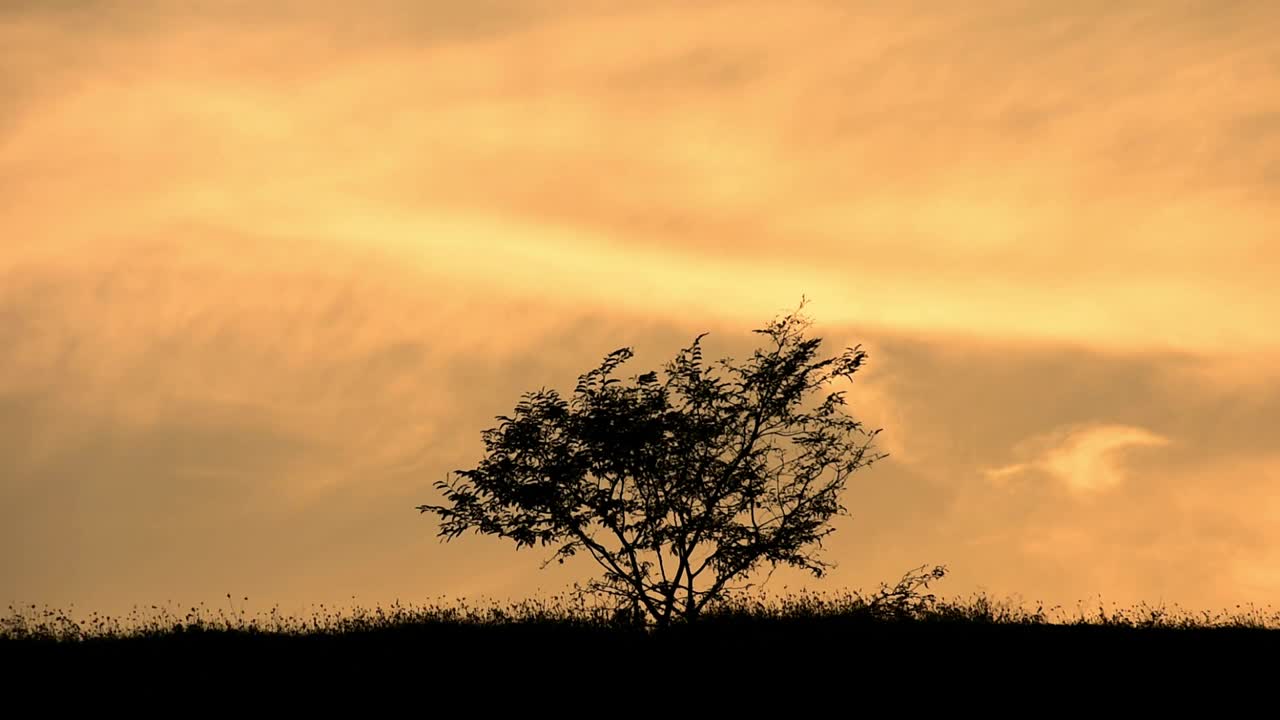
<point x="266" y="273"/>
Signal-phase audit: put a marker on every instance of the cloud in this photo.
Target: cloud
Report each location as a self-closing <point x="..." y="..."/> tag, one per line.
<point x="883" y="173"/>
<point x="1086" y="460"/>
<point x="318" y="249"/>
<point x="1089" y="461"/>
<point x="280" y="424"/>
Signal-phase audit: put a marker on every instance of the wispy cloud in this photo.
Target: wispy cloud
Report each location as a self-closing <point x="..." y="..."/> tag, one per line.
<point x="1085" y="460"/>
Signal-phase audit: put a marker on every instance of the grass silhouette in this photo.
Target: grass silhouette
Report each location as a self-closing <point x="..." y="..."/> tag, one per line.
<point x="899" y="618"/>
<point x="797" y="648"/>
<point x="806" y="649"/>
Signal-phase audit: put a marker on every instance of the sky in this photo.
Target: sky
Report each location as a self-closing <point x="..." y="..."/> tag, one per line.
<point x="268" y="270"/>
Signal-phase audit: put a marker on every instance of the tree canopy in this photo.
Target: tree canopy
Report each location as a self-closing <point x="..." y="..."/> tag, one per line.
<point x="677" y="486"/>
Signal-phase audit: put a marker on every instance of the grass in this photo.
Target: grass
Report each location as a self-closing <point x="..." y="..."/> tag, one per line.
<point x="805" y="647"/>
<point x="814" y="619"/>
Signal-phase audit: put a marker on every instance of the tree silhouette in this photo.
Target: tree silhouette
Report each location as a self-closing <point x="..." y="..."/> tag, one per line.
<point x="675" y="487"/>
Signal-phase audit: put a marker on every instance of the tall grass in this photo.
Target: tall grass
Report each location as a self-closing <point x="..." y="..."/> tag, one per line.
<point x="906" y="602"/>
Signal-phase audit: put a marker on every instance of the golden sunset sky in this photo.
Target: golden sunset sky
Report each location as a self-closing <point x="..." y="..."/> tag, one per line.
<point x="268" y="269"/>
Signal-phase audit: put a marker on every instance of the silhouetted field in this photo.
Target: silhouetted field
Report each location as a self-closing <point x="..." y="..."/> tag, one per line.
<point x="907" y="636"/>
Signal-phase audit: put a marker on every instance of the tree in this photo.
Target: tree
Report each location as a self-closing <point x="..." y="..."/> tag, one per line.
<point x="678" y="487"/>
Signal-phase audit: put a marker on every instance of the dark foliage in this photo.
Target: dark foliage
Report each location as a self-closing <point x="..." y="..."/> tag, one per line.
<point x="677" y="487"/>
